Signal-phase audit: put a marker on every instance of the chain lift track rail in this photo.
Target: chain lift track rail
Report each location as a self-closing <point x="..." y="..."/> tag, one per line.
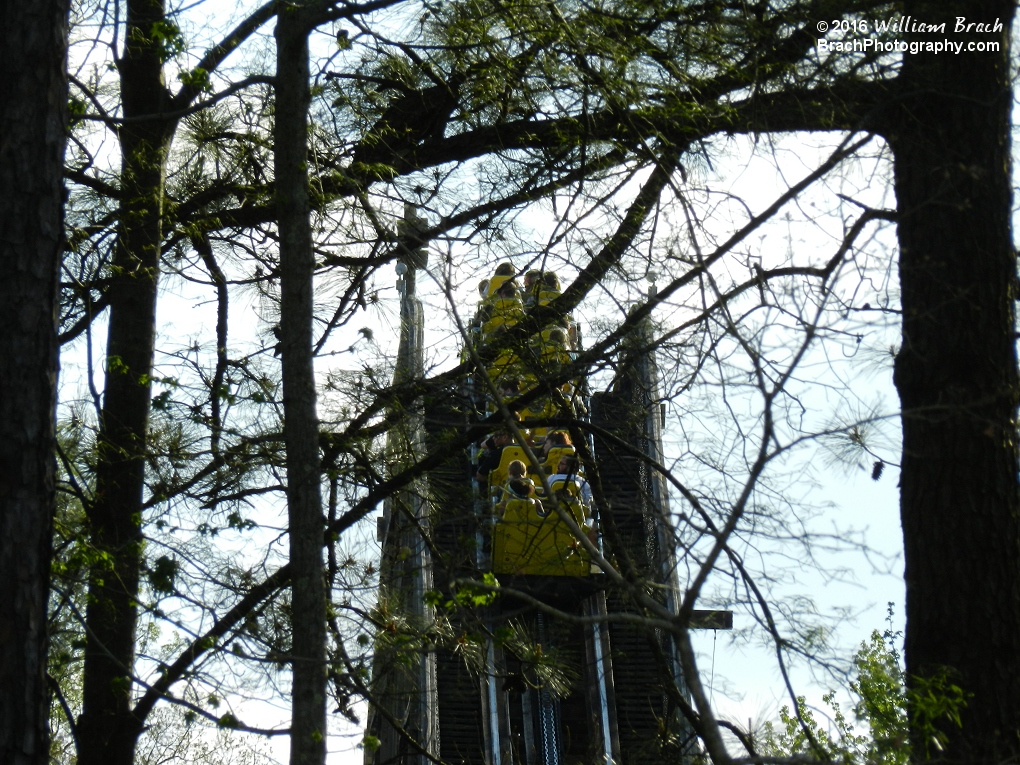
<point x="614" y="709"/>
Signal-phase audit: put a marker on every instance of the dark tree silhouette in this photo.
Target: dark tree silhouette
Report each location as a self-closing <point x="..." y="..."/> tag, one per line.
<point x="33" y="113"/>
<point x="413" y="118"/>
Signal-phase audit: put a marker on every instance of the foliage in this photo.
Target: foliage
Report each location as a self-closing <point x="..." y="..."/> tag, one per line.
<point x="72" y="560"/>
<point x="801" y="733"/>
<point x="177" y="738"/>
<point x="883" y="705"/>
<point x="881" y="698"/>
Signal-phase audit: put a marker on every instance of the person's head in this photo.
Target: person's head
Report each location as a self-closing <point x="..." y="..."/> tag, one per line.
<point x="510" y="386"/>
<point x="557" y="337"/>
<point x="501" y="438"/>
<point x="520" y="488"/>
<point x="517" y="469"/>
<point x="550" y="281"/>
<point x="504" y="269"/>
<point x="483" y="287"/>
<point x="558" y="438"/>
<point x="507" y="289"/>
<point x="531" y="277"/>
<point x="555" y="440"/>
<point x="567" y="465"/>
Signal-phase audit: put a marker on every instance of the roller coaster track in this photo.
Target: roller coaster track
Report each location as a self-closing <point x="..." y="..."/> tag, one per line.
<point x="477" y="703"/>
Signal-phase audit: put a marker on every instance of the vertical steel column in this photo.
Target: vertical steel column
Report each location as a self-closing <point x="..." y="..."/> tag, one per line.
<point x="412" y="330"/>
<point x="603" y="676"/>
<point x="548" y="708"/>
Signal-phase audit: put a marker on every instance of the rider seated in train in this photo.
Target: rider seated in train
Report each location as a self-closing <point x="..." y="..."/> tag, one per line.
<point x="502" y="311"/>
<point x="519" y="489"/>
<point x="550" y="348"/>
<point x="548" y="290"/>
<point x="543" y="408"/>
<point x="557" y="438"/>
<point x="491" y="455"/>
<point x="516" y="470"/>
<point x="544" y="356"/>
<point x="495" y="316"/>
<point x="557" y="444"/>
<point x="504" y="273"/>
<point x="487" y="292"/>
<point x="566" y="476"/>
<point x="498" y="453"/>
<point x="530" y="539"/>
<point x="509" y="387"/>
<point x="502" y="371"/>
<point x="532" y="283"/>
<point x="505" y="364"/>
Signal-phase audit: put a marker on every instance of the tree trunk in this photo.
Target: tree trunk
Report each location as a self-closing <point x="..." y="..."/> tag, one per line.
<point x="108" y="731"/>
<point x="301" y="432"/>
<point x="956" y="374"/>
<point x="33" y="116"/>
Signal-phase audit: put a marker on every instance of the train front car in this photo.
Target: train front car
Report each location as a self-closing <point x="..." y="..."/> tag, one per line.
<point x="528" y="668"/>
<point x="546" y="680"/>
<point x="554" y="696"/>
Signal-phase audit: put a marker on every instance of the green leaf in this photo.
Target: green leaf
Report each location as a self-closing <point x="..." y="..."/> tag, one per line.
<point x="162" y="575"/>
<point x="196" y="78"/>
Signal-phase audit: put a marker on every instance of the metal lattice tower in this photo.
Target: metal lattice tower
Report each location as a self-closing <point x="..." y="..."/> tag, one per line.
<point x="468" y="697"/>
